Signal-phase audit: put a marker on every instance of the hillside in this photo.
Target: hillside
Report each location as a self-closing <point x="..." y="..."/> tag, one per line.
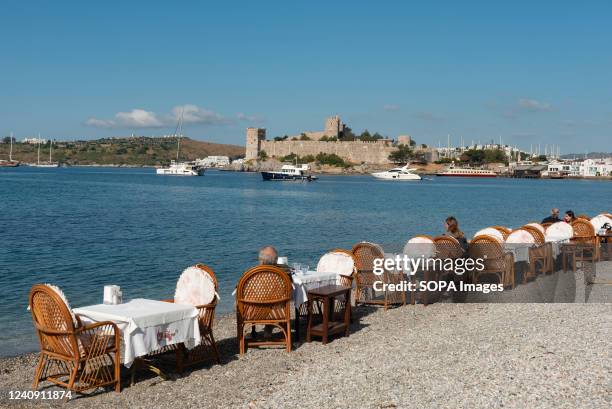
<point x="139" y="151"/>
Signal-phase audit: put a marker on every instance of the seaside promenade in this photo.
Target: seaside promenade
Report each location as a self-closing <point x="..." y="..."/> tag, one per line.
<point x="442" y="355"/>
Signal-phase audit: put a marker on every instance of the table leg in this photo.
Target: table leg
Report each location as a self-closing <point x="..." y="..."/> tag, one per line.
<point x="325" y="319"/>
<point x="308" y="334"/>
<point x="297" y="324"/>
<point x="142" y="363"/>
<point x="347" y="313"/>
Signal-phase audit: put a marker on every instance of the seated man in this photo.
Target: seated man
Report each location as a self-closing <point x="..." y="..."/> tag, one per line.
<point x="268" y="256"/>
<point x="553" y="218"/>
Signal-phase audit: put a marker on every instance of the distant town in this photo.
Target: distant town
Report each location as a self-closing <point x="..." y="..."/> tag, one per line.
<point x="335" y="149"/>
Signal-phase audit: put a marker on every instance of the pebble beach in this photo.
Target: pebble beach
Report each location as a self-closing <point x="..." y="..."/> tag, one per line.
<point x="442" y="355"/>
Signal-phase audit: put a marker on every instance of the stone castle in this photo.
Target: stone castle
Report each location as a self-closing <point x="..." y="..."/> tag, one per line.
<point x="375" y="152"/>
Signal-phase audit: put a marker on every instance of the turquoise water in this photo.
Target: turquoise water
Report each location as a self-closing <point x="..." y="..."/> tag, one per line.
<point x="82" y="228"/>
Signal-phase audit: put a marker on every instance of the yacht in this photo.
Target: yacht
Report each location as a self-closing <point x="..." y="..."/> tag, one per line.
<point x="176" y="167"/>
<point x="49" y="164"/>
<point x="181" y="169"/>
<point x="289" y="172"/>
<point x="452" y="170"/>
<point x="403" y="173"/>
<point x="10" y="163"/>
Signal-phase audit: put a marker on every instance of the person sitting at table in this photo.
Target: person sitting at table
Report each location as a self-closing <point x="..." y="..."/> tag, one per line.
<point x="553" y="218"/>
<point x="569" y="216"/>
<point x="452" y="230"/>
<point x="267" y="257"/>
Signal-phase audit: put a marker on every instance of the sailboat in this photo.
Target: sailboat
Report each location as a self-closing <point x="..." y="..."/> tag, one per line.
<point x="176" y="167"/>
<point x="49" y="164"/>
<point x="9" y="163"/>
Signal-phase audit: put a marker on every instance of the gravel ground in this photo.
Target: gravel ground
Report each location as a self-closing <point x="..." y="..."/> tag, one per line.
<point x="443" y="355"/>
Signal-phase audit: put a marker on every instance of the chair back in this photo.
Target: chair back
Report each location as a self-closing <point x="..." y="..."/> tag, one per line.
<point x="583" y="216"/>
<point x="420" y="246"/>
<point x="364" y="254"/>
<point x="491" y="232"/>
<point x="341" y="262"/>
<point x="503" y="230"/>
<point x="54" y="321"/>
<point x="489" y="249"/>
<point x="448" y="247"/>
<point x="583" y="230"/>
<point x="546" y="225"/>
<point x="520" y="236"/>
<point x="196" y="286"/>
<point x="600" y="220"/>
<point x="537" y="234"/>
<point x="559" y="231"/>
<point x="264" y="292"/>
<point x="538" y="226"/>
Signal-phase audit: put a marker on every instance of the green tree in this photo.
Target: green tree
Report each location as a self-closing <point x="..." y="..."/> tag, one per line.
<point x="330" y="159"/>
<point x="304" y="137"/>
<point x="347" y="134"/>
<point x="401" y="155"/>
<point x="262" y="156"/>
<point x="307" y="159"/>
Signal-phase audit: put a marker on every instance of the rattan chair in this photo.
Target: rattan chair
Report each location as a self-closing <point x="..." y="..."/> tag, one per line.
<point x="495" y="260"/>
<point x="584" y="234"/>
<point x="347" y="276"/>
<point x="206" y="316"/>
<point x="546" y="225"/>
<point x="503" y="230"/>
<point x="583" y="216"/>
<point x="364" y="254"/>
<point x="540" y="254"/>
<point x="73" y="355"/>
<point x="263" y="297"/>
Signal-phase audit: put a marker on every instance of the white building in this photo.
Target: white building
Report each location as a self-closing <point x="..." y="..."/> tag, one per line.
<point x="34" y="141"/>
<point x="586" y="168"/>
<point x="213" y="161"/>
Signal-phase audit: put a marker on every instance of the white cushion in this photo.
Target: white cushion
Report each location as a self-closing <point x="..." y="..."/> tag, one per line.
<point x="537" y="226"/>
<point x="59" y="292"/>
<point x="336" y="262"/>
<point x="520" y="237"/>
<point x="490" y="231"/>
<point x="194" y="287"/>
<point x="420" y="247"/>
<point x="599" y="221"/>
<point x="559" y="231"/>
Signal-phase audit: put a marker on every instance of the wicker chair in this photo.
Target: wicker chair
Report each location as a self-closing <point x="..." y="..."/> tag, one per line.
<point x="583" y="216"/>
<point x="546" y="225"/>
<point x="364" y="254"/>
<point x="263" y="297"/>
<point x="540" y="254"/>
<point x="347" y="275"/>
<point x="495" y="260"/>
<point x="206" y="317"/>
<point x="76" y="356"/>
<point x="584" y="234"/>
<point x="503" y="230"/>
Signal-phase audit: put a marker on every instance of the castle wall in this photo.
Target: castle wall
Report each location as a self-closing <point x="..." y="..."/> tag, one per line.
<point x="376" y="152"/>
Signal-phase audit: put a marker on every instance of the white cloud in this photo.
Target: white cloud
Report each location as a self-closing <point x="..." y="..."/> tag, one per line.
<point x="391" y="107"/>
<point x="192" y="114"/>
<point x="533" y="105"/>
<point x="140" y="118"/>
<point x="249" y="118"/>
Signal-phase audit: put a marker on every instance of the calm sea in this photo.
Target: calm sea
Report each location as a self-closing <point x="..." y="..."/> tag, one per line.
<point x="82" y="228"/>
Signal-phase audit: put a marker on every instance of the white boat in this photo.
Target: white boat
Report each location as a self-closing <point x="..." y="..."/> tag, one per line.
<point x="452" y="170"/>
<point x="181" y="169"/>
<point x="289" y="172"/>
<point x="176" y="167"/>
<point x="403" y="173"/>
<point x="49" y="164"/>
<point x="10" y="163"/>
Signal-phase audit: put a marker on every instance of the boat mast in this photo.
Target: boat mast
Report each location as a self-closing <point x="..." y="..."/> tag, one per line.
<point x="38" y="161"/>
<point x="180" y="132"/>
<point x="50" y="148"/>
<point x="11" y="149"/>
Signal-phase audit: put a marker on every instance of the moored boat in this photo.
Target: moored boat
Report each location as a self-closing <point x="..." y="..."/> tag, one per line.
<point x="467" y="172"/>
<point x="403" y="173"/>
<point x="289" y="172"/>
<point x="10" y="163"/>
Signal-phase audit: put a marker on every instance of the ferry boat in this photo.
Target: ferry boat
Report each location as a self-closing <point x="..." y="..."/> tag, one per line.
<point x="403" y="173"/>
<point x="467" y="172"/>
<point x="289" y="172"/>
<point x="10" y="163"/>
<point x="181" y="169"/>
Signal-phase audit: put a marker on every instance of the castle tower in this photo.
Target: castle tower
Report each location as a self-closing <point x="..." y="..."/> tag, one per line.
<point x="333" y="126"/>
<point x="254" y="136"/>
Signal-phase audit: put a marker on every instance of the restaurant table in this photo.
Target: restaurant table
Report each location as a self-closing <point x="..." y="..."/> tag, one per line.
<point x="304" y="282"/>
<point x="327" y="295"/>
<point x="147" y="326"/>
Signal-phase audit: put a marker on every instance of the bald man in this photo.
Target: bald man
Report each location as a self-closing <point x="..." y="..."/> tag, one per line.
<point x="553" y="218"/>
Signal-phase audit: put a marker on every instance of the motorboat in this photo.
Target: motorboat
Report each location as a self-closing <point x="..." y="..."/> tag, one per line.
<point x="181" y="169"/>
<point x="403" y="173"/>
<point x="289" y="172"/>
<point x="467" y="172"/>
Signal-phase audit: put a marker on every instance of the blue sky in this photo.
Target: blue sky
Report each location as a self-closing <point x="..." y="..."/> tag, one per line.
<point x="531" y="72"/>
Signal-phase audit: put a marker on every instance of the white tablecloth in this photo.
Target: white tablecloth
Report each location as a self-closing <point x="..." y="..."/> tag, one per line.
<point x="147" y="325"/>
<point x="304" y="282"/>
<point x="520" y="251"/>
